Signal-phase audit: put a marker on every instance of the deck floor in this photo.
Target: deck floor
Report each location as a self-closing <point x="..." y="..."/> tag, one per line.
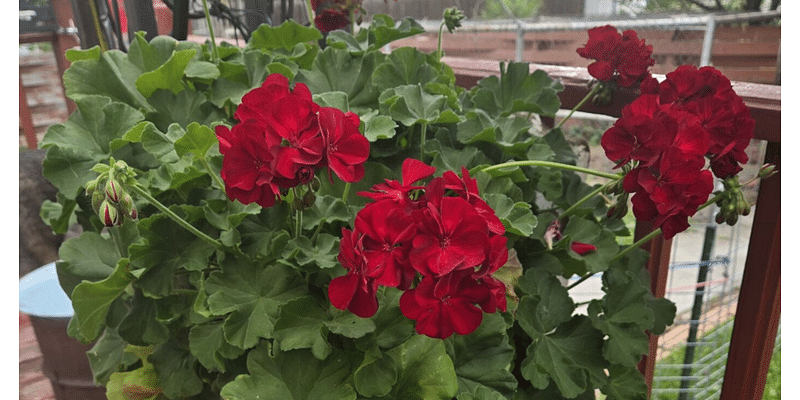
<point x="33" y="385"/>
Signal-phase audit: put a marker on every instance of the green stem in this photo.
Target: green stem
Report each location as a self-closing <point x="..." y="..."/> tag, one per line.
<point x="175" y="217"/>
<point x="213" y="174"/>
<point x="439" y="48"/>
<point x="591" y="93"/>
<point x="423" y="136"/>
<point x="310" y="13"/>
<point x="298" y="216"/>
<point x="214" y="52"/>
<point x="316" y="232"/>
<point x="538" y="163"/>
<point x="346" y="192"/>
<point x="642" y="241"/>
<point x="114" y="232"/>
<point x="586" y="198"/>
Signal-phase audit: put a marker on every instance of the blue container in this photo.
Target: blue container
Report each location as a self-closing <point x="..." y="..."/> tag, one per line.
<point x="64" y="358"/>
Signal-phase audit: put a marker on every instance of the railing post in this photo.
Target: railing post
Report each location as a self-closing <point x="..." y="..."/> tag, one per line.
<point x="658" y="267"/>
<point x="758" y="312"/>
<point x="708" y="41"/>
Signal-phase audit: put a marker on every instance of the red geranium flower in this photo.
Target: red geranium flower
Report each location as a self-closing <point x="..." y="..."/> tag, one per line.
<point x="413" y="172"/>
<point x="451" y="234"/>
<point x="346" y="149"/>
<point x="256" y="102"/>
<point x="445" y="305"/>
<point x="622" y="58"/>
<point x="356" y="291"/>
<point x="387" y="236"/>
<point x="293" y="124"/>
<point x="247" y="164"/>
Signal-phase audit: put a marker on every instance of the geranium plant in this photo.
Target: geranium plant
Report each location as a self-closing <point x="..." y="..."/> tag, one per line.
<point x="291" y="221"/>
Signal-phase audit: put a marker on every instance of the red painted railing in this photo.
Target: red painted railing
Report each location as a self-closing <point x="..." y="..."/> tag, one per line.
<point x="758" y="311"/>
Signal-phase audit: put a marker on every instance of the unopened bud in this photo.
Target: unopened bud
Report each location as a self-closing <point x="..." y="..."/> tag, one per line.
<point x="308" y="199"/>
<point x="97" y="200"/>
<point x="720" y="217"/>
<point x="731" y="220"/>
<point x="113" y="191"/>
<point x="126" y="205"/>
<point x="452" y="18"/>
<point x="91" y="186"/>
<point x="315" y="184"/>
<point x="109" y="214"/>
<point x="767" y="170"/>
<point x="297" y="203"/>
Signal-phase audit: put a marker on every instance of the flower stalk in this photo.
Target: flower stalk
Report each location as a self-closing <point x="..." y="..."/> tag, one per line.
<point x="551" y="164"/>
<point x="580" y="104"/>
<point x="175" y="217"/>
<point x="214" y="52"/>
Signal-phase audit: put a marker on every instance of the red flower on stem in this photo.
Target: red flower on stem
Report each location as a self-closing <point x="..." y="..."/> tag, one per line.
<point x="356" y="291"/>
<point x="346" y="149"/>
<point x="622" y="58"/>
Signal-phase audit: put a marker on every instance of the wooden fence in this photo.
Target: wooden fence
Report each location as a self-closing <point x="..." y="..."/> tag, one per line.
<point x="744" y="54"/>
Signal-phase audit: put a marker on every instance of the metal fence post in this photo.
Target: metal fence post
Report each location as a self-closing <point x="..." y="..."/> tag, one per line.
<point x="708" y="41"/>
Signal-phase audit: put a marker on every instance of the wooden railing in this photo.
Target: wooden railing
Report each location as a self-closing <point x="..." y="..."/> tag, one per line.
<point x="758" y="310"/>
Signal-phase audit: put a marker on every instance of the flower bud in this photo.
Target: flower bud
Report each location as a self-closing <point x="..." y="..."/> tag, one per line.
<point x="452" y="18"/>
<point x="767" y="170"/>
<point x="719" y="218"/>
<point x="308" y="199"/>
<point x="113" y="191"/>
<point x="109" y="214"/>
<point x="126" y="206"/>
<point x="97" y="200"/>
<point x="91" y="186"/>
<point x="731" y="220"/>
<point x="297" y="204"/>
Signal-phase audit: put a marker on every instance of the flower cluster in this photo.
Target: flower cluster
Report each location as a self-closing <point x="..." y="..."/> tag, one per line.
<point x="282" y="138"/>
<point x="335" y="14"/>
<point x="622" y="58"/>
<point x="666" y="134"/>
<point x="442" y="231"/>
<point x="110" y="201"/>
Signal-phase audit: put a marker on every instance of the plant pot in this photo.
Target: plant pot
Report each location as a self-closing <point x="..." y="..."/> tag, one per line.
<point x="64" y="358"/>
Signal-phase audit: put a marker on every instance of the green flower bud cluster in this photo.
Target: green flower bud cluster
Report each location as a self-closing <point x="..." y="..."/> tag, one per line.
<point x="308" y="198"/>
<point x="110" y="199"/>
<point x="620" y="206"/>
<point x="731" y="203"/>
<point x="452" y="18"/>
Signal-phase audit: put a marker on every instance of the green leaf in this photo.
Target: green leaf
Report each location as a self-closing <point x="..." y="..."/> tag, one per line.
<point x="75" y="146"/>
<point x="404" y="66"/>
<point x="585" y="231"/>
<point x="333" y="99"/>
<point x="382" y="31"/>
<point x="184" y="108"/>
<point x="509" y="133"/>
<point x="339" y="71"/>
<point x="107" y="356"/>
<point x="378" y="126"/>
<point x="202" y="70"/>
<point x="207" y="343"/>
<point x="91" y="300"/>
<point x="300" y="325"/>
<point x="286" y="36"/>
<point x="167" y="76"/>
<point x="515" y="216"/>
<point x="409" y="105"/>
<point x="483" y="358"/>
<point x="141" y="326"/>
<point x="59" y="216"/>
<point x="425" y="370"/>
<point x="88" y="257"/>
<point x="175" y="368"/>
<point x="326" y="209"/>
<point x="197" y="140"/>
<point x="517" y="90"/>
<point x="625" y="384"/>
<point x="150" y="55"/>
<point x="545" y="306"/>
<point x="251" y="297"/>
<point x="570" y="357"/>
<point x="349" y="325"/>
<point x="160" y="258"/>
<point x="74" y="55"/>
<point x="449" y="159"/>
<point x="276" y="373"/>
<point x="112" y="75"/>
<point x="313" y="257"/>
<point x="375" y="376"/>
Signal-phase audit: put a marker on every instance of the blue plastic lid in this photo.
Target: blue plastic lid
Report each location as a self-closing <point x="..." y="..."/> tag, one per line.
<point x="41" y="295"/>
